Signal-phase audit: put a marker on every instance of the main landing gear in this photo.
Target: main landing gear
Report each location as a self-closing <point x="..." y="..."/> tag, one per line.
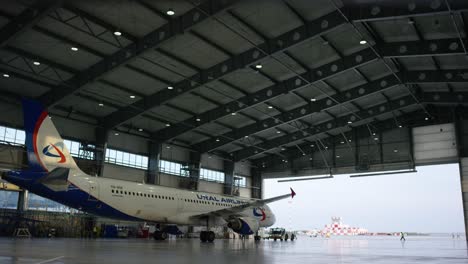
<point x="207" y="236"/>
<point x="160" y="235"/>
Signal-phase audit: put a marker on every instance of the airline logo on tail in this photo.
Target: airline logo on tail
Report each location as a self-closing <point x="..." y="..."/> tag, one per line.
<point x="259" y="214"/>
<point x="55" y="151"/>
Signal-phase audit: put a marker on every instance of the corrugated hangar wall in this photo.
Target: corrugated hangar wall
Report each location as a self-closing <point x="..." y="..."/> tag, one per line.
<point x="435" y="144"/>
<point x="464" y="183"/>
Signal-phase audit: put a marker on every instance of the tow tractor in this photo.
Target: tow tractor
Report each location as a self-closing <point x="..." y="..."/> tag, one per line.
<point x="281" y="234"/>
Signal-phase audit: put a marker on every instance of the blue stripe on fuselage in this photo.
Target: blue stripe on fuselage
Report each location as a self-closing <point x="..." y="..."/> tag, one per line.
<point x="74" y="197"/>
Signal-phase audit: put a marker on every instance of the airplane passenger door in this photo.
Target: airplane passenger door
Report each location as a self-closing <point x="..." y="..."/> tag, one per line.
<point x="93" y="190"/>
<point x="180" y="203"/>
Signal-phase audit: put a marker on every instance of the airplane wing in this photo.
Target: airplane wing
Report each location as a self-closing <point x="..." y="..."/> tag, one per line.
<point x="226" y="212"/>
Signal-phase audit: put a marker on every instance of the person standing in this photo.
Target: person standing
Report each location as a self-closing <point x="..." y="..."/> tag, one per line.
<point x="402" y="238"/>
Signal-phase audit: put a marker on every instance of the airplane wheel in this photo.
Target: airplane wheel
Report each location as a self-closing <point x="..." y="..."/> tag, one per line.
<point x="286" y="237"/>
<point x="274" y="239"/>
<point x="203" y="236"/>
<point x="159" y="235"/>
<point x="293" y="237"/>
<point x="210" y="236"/>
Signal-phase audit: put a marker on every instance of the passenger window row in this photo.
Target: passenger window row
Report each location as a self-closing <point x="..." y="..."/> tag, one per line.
<point x="143" y="195"/>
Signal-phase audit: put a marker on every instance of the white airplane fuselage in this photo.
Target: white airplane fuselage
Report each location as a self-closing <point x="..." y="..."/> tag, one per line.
<point x="53" y="173"/>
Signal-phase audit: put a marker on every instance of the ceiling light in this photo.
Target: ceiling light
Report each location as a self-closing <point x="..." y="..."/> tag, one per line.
<point x="338" y="156"/>
<point x="246" y="136"/>
<point x="198" y="119"/>
<point x="400" y="126"/>
<point x="170" y="12"/>
<point x="278" y="132"/>
<point x="373" y="134"/>
<point x="168" y="147"/>
<point x="36" y="63"/>
<point x="313" y="99"/>
<point x="363" y="42"/>
<point x="6" y="75"/>
<point x="349" y="140"/>
<point x="310" y="158"/>
<point x="342" y="142"/>
<point x="132" y="96"/>
<point x="117" y="33"/>
<point x="395" y="150"/>
<point x="259" y="66"/>
<point x="349" y="122"/>
<point x="376" y="138"/>
<point x="427" y="118"/>
<point x="270" y="107"/>
<point x="170" y="87"/>
<point x="168" y="125"/>
<point x="233" y="113"/>
<point x="217" y="140"/>
<point x="101" y="104"/>
<point x="326" y="147"/>
<point x="74" y="48"/>
<point x="312" y="145"/>
<point x="283" y="149"/>
<point x="116" y="134"/>
<point x="140" y="129"/>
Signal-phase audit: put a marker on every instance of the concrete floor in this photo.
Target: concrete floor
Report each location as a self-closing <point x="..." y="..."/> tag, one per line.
<point x="305" y="250"/>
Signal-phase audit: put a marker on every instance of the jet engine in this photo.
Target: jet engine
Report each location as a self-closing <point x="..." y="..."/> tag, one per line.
<point x="244" y="226"/>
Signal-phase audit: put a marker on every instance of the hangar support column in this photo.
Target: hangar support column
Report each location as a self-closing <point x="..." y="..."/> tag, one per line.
<point x="195" y="166"/>
<point x="461" y="127"/>
<point x="102" y="135"/>
<point x="229" y="166"/>
<point x="256" y="183"/>
<point x="22" y="201"/>
<point x="155" y="149"/>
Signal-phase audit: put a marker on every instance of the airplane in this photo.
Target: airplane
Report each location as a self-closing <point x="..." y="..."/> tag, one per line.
<point x="53" y="173"/>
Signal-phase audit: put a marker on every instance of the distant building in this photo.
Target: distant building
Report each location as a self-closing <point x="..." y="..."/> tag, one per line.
<point x="337" y="228"/>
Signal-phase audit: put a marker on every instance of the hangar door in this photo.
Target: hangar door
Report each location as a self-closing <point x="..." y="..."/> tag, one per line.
<point x="435" y="144"/>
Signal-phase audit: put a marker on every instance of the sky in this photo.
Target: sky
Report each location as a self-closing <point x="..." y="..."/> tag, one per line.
<point x="428" y="201"/>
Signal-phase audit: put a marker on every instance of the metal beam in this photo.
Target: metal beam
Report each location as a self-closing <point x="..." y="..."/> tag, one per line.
<point x="26" y="20"/>
<point x="300" y="112"/>
<point x="421" y="48"/>
<point x="42" y="60"/>
<point x="445" y="98"/>
<point x="174" y="27"/>
<point x="111" y="28"/>
<point x="321" y="73"/>
<point x="400" y="9"/>
<point x="68" y="40"/>
<point x="432" y="98"/>
<point x="268" y="93"/>
<point x="203" y="76"/>
<point x="327" y="126"/>
<point x="409" y="120"/>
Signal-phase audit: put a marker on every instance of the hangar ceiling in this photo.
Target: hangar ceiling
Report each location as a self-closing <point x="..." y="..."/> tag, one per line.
<point x="249" y="80"/>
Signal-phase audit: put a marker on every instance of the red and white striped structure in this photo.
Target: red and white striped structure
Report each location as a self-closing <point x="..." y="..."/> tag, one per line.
<point x="337" y="228"/>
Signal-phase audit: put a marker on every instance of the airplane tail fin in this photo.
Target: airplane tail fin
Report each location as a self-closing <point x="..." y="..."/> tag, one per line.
<point x="45" y="147"/>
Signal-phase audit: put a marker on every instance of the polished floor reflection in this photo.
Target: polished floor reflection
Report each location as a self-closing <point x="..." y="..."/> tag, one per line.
<point x="426" y="250"/>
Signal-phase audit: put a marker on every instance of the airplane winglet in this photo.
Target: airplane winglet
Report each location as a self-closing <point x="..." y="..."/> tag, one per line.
<point x="293" y="193"/>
